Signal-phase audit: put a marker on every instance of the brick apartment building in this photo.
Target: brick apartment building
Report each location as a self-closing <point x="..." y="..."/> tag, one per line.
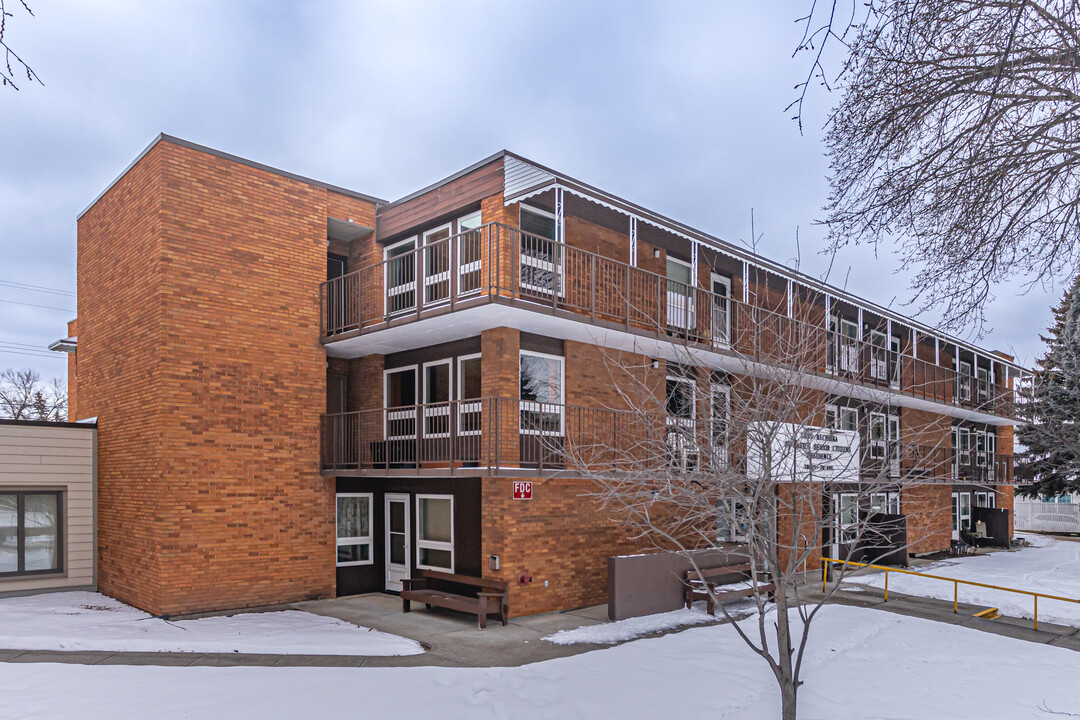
<point x="303" y="391"/>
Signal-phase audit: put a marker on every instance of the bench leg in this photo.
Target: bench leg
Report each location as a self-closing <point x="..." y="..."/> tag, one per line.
<point x="689" y="598"/>
<point x="483" y="613"/>
<point x="710" y="605"/>
<point x="505" y="614"/>
<point x="405" y="607"/>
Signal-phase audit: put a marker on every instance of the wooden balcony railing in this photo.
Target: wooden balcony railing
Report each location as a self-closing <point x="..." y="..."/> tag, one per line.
<point x="499" y="263"/>
<point x="509" y="436"/>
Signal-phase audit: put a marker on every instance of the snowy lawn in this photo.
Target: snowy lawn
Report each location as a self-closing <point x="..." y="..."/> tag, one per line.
<point x="1050" y="566"/>
<point x="861" y="663"/>
<point x="619" y="631"/>
<point x="91" y="621"/>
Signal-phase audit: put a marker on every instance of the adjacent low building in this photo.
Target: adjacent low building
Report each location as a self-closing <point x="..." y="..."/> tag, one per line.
<point x="47" y="505"/>
<point x="303" y="391"/>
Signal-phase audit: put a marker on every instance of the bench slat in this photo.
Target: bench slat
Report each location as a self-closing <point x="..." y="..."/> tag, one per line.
<point x="501" y="586"/>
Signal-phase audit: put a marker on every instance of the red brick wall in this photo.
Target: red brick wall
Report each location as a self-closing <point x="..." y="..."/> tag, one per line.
<point x="560" y="536"/>
<point x="208" y="380"/>
<point x="929" y="517"/>
<point x="73" y="376"/>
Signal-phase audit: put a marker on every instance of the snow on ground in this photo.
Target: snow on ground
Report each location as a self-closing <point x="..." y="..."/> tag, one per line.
<point x="861" y="663"/>
<point x="619" y="631"/>
<point x="1049" y="566"/>
<point x="92" y="621"/>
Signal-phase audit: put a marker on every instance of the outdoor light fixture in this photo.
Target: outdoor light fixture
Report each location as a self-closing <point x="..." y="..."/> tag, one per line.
<point x="656" y="252"/>
<point x="655" y="363"/>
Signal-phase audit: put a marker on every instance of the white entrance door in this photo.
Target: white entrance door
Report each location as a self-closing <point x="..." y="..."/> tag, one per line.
<point x="398" y="551"/>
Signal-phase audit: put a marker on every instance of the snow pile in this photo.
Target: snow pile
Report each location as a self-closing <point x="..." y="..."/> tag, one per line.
<point x="92" y="621"/>
<point x="933" y="670"/>
<point x="1048" y="566"/>
<point x="619" y="631"/>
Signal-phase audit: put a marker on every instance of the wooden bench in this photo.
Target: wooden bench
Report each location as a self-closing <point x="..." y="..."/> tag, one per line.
<point x="492" y="599"/>
<point x="698" y="584"/>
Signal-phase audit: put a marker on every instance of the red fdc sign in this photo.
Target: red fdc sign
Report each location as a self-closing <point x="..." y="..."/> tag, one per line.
<point x="522" y="490"/>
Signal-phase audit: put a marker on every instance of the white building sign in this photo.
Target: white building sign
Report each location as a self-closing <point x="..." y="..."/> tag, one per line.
<point x="800" y="453"/>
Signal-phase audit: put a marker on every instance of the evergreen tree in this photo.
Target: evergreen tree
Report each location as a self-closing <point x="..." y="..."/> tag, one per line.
<point x="1050" y="459"/>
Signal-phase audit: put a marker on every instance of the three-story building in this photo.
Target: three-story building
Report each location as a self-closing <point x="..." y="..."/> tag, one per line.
<point x="272" y="428"/>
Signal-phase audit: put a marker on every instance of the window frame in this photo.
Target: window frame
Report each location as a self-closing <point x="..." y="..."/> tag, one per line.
<point x="471" y="267"/>
<point x="359" y="539"/>
<point x="466" y="406"/>
<point x="442" y="407"/>
<point x="434" y="279"/>
<point x="20" y="547"/>
<point x="524" y="405"/>
<point x="674" y="420"/>
<point x="434" y="544"/>
<point x="403" y="288"/>
<point x="401" y="412"/>
<point x="556" y="266"/>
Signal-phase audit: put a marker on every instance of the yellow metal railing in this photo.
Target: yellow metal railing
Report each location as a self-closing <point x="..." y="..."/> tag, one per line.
<point x="956" y="584"/>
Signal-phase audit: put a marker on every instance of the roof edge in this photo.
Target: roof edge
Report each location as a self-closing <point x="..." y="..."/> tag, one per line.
<point x="163" y="137"/>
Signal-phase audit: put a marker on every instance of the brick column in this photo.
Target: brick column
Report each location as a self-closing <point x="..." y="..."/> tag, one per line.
<point x="499" y="348"/>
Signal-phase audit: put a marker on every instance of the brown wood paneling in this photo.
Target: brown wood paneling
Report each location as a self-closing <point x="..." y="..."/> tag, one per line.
<point x="477" y="185"/>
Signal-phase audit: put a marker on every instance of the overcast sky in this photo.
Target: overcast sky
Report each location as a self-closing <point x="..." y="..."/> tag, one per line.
<point x="676" y="106"/>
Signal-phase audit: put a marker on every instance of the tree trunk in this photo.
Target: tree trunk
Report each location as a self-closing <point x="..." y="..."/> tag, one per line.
<point x="789" y="684"/>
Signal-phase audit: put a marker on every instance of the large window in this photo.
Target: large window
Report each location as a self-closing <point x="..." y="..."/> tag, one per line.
<point x="469" y="389"/>
<point x="353" y="529"/>
<point x="29" y="533"/>
<point x="435" y="532"/>
<point x="541" y="393"/>
<point x="437" y="395"/>
<point x="400" y="393"/>
<point x="470" y="253"/>
<point x="541" y="254"/>
<point x="400" y="270"/>
<point x="680" y="298"/>
<point x="680" y="401"/>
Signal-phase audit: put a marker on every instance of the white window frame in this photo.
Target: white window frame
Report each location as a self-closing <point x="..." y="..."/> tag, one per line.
<point x="403" y="288"/>
<point x="688" y="423"/>
<point x="893" y="362"/>
<point x="684" y="309"/>
<point x="536" y="406"/>
<point x="465" y="268"/>
<point x="402" y="414"/>
<point x="879" y="355"/>
<point x="963" y="381"/>
<point x="880" y="445"/>
<point x="958" y="515"/>
<point x="359" y="540"/>
<point x="889" y="500"/>
<point x="982" y="384"/>
<point x="441" y="276"/>
<point x="557" y="270"/>
<point x="434" y="544"/>
<point x="443" y="407"/>
<point x="469" y="405"/>
<point x="722" y="339"/>
<point x="721" y="451"/>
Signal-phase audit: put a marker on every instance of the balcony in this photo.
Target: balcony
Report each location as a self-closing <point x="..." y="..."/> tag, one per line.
<point x="507" y="437"/>
<point x="498" y="264"/>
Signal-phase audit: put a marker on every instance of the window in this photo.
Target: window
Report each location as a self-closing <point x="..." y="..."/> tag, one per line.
<point x="963" y="382"/>
<point x="469" y="388"/>
<point x="541" y="255"/>
<point x="680" y="299"/>
<point x="680" y="402"/>
<point x="437" y="264"/>
<point x="732" y="521"/>
<point x="847" y="344"/>
<point x="470" y="253"/>
<point x="400" y="270"/>
<point x="721" y="317"/>
<point x="353" y="529"/>
<point x="400" y="392"/>
<point x="842" y="418"/>
<point x="29" y="533"/>
<point x="885" y="502"/>
<point x="541" y="379"/>
<point x="985" y="499"/>
<point x="983" y="384"/>
<point x="847" y="516"/>
<point x="437" y="394"/>
<point x="878" y="437"/>
<point x="961" y="504"/>
<point x="879" y="356"/>
<point x="435" y="532"/>
<point x="719" y="408"/>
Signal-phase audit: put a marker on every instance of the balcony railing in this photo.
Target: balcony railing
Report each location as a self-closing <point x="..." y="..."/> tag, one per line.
<point x="507" y="436"/>
<point x="498" y="263"/>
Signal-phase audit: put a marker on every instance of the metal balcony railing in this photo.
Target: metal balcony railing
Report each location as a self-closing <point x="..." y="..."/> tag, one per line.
<point x="499" y="263"/>
<point x="508" y="436"/>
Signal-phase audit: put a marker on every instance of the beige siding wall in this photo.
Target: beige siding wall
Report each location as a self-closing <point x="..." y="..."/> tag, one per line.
<point x="58" y="457"/>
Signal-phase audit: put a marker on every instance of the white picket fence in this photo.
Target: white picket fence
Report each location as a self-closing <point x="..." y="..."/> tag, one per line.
<point x="1046" y="517"/>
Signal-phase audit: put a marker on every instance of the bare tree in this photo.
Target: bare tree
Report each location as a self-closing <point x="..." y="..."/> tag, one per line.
<point x="24" y="396"/>
<point x="956" y="140"/>
<point x="762" y="469"/>
<point x="13" y="64"/>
